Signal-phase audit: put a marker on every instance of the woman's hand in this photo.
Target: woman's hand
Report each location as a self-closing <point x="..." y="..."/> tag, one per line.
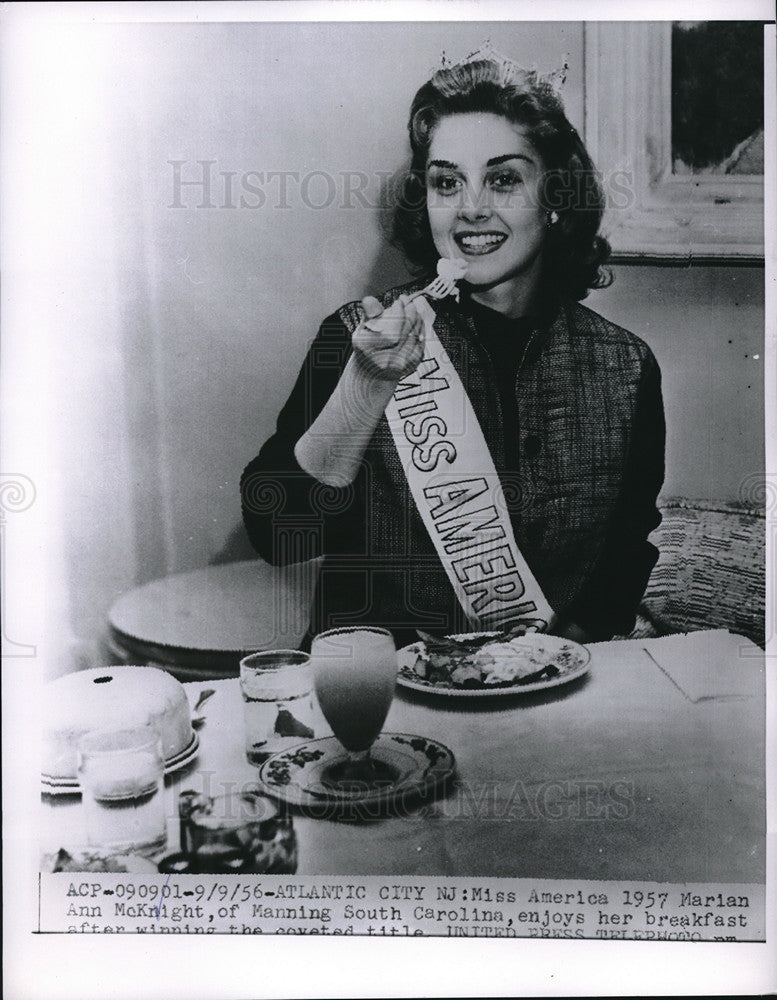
<point x="389" y="344"/>
<point x="566" y="629"/>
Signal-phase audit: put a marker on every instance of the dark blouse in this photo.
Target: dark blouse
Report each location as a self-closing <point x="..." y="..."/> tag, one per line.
<point x="506" y="341"/>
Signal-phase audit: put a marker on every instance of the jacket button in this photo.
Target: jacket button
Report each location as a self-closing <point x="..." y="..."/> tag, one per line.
<point x="531" y="446"/>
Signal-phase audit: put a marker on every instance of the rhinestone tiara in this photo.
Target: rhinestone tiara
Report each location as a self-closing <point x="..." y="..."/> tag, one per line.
<point x="510" y="70"/>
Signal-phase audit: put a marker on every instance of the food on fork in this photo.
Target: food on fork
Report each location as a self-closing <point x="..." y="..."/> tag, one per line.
<point x="451" y="268"/>
<point x="449" y="271"/>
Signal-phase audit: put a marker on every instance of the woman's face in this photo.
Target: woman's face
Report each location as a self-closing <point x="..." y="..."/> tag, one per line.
<point x="482" y="187"/>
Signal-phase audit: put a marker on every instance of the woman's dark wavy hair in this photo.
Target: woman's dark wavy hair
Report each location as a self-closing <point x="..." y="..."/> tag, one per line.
<point x="575" y="254"/>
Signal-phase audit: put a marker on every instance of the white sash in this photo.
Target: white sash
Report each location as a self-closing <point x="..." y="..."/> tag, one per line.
<point x="458" y="494"/>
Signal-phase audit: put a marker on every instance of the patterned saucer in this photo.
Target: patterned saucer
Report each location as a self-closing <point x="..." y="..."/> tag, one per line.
<point x="420" y="766"/>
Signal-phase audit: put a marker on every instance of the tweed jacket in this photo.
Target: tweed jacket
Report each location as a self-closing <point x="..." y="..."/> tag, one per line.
<point x="582" y="500"/>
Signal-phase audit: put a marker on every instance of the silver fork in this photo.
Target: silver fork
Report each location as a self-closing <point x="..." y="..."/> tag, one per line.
<point x="440" y="288"/>
<point x="448" y="273"/>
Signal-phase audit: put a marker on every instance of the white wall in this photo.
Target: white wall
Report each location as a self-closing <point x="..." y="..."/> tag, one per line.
<point x="168" y="337"/>
<point x="706" y="327"/>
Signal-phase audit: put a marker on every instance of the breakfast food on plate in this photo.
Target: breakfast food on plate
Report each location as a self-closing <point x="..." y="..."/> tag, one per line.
<point x="451" y="268"/>
<point x="449" y="271"/>
<point x="93" y="861"/>
<point x="485" y="659"/>
<point x="111" y="698"/>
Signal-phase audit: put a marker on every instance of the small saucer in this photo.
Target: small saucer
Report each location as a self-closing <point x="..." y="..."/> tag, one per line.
<point x="94" y="859"/>
<point x="416" y="765"/>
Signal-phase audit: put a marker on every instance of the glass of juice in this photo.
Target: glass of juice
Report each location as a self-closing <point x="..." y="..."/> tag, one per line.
<point x="355" y="673"/>
<point x="122" y="778"/>
<point x="277" y="688"/>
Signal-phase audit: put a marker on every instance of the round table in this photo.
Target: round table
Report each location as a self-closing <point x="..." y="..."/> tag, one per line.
<point x="198" y="625"/>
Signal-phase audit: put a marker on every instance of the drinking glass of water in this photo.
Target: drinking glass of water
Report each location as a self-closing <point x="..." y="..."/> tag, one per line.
<point x="122" y="778"/>
<point x="277" y="688"/>
<point x="355" y="672"/>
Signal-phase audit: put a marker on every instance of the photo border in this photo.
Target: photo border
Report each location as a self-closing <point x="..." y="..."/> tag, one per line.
<point x="171" y="968"/>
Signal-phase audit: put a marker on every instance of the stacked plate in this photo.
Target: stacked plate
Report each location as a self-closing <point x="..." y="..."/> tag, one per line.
<point x="112" y="697"/>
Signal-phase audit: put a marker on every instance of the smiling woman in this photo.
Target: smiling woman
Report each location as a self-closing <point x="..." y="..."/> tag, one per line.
<point x="483" y="199"/>
<point x="495" y="460"/>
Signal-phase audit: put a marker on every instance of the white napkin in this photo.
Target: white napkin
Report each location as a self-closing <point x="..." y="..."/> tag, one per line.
<point x="705" y="666"/>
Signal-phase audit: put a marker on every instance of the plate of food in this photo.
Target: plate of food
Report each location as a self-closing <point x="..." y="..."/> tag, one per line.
<point x="92" y="859"/>
<point x="484" y="664"/>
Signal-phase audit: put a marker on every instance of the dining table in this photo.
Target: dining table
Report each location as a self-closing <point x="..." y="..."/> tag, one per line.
<point x="650" y="766"/>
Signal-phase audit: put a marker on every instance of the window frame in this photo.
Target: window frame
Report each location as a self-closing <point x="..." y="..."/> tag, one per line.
<point x="653" y="213"/>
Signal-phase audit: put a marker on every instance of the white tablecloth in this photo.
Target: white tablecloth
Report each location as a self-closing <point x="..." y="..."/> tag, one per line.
<point x="650" y="768"/>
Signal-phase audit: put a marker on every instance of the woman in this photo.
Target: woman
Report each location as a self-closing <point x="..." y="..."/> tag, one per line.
<point x="569" y="404"/>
